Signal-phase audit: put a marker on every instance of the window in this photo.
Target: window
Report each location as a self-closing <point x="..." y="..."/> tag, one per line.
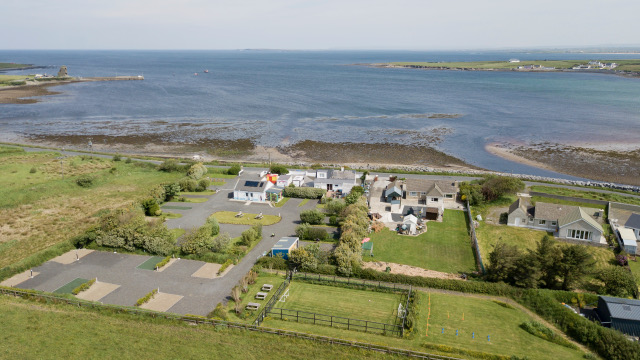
<point x="553" y="223"/>
<point x="246" y="194"/>
<point x="435" y="199"/>
<point x="413" y="193"/>
<point x="579" y="234"/>
<point x="423" y="193"/>
<point x="542" y="222"/>
<point x="449" y="196"/>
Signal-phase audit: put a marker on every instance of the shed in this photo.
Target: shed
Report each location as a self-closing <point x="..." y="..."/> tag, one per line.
<point x="620" y="314"/>
<point x="432" y="213"/>
<point x="284" y="246"/>
<point x="628" y="238"/>
<point x="393" y="194"/>
<point x="409" y="224"/>
<point x="275" y="193"/>
<point x="368" y="246"/>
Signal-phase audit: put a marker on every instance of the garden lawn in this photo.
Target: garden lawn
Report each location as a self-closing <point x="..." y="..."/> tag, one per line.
<point x="635" y="269"/>
<point x="206" y="192"/>
<point x="338" y="301"/>
<point x="535" y="199"/>
<point x="229" y="217"/>
<point x="481" y="316"/>
<point x="586" y="194"/>
<point x="65" y="331"/>
<point x="526" y="239"/>
<point x="282" y="202"/>
<point x="445" y="247"/>
<point x="40" y="209"/>
<point x="194" y="200"/>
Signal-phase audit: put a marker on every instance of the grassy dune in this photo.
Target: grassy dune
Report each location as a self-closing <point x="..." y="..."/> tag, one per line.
<point x="624" y="65"/>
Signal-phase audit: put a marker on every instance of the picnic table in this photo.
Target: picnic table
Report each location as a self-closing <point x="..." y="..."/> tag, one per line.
<point x="259" y="216"/>
<point x="267" y="287"/>
<point x="261" y="295"/>
<point x="252" y="306"/>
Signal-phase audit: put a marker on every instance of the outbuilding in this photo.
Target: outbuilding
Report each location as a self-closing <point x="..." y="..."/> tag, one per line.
<point x="620" y="314"/>
<point x="628" y="239"/>
<point x="284" y="246"/>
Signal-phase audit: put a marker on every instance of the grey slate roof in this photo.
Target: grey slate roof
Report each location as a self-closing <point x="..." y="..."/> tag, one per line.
<point x="620" y="308"/>
<point x="633" y="222"/>
<point x="576" y="214"/>
<point x="250" y="185"/>
<point x="524" y="204"/>
<point x="342" y="175"/>
<point x="393" y="188"/>
<point x="285" y="243"/>
<point x="425" y="185"/>
<point x="564" y="214"/>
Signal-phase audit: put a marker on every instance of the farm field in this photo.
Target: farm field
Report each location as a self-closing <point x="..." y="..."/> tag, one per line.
<point x="39" y="208"/>
<point x="79" y="333"/>
<point x="526" y="239"/>
<point x="445" y="247"/>
<point x="337" y="301"/>
<point x="482" y="317"/>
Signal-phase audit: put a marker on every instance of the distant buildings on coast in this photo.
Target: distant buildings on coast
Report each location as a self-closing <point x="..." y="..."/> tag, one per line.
<point x="590" y="65"/>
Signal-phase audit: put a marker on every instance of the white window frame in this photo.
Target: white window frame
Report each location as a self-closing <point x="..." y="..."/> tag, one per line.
<point x="449" y="196"/>
<point x="435" y="199"/>
<point x="542" y="222"/>
<point x="413" y="193"/>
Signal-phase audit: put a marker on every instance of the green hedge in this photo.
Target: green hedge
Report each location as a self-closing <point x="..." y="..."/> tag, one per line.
<point x="147" y="297"/>
<point x="473" y="353"/>
<point x="83" y="287"/>
<point x="163" y="262"/>
<point x="225" y="266"/>
<point x="304" y="192"/>
<point x="536" y="329"/>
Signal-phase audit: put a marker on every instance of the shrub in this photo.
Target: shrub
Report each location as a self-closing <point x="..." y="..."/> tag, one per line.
<point x="147" y="297"/>
<point x="33" y="170"/>
<point x="248" y="237"/>
<point x="83" y="287"/>
<point x="234" y="169"/>
<point x="84" y="181"/>
<point x="203" y="184"/>
<point x="304" y="192"/>
<point x="171" y="190"/>
<point x="151" y="207"/>
<point x="335" y="207"/>
<point x="220" y="312"/>
<point x="170" y="165"/>
<point x="128" y="161"/>
<point x="302" y="260"/>
<point x="313" y="217"/>
<point x="536" y="329"/>
<point x="196" y="171"/>
<point x="220" y="243"/>
<point x="188" y="184"/>
<point x="225" y="266"/>
<point x="163" y="262"/>
<point x="117" y="157"/>
<point x="273" y="262"/>
<point x="333" y="220"/>
<point x="317" y="234"/>
<point x="215" y="227"/>
<point x="197" y="241"/>
<point x="278" y="169"/>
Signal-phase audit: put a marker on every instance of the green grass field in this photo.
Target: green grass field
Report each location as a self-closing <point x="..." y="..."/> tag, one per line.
<point x="526" y="239"/>
<point x="229" y="217"/>
<point x="536" y="199"/>
<point x="8" y="80"/>
<point x="39" y="208"/>
<point x="68" y="287"/>
<point x="194" y="200"/>
<point x="150" y="264"/>
<point x="282" y="202"/>
<point x="481" y="316"/>
<point x="65" y="331"/>
<point x="337" y="301"/>
<point x="445" y="247"/>
<point x="586" y="194"/>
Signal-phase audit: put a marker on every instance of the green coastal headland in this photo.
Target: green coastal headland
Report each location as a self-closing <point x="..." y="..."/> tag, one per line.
<point x="13" y="66"/>
<point x="615" y="66"/>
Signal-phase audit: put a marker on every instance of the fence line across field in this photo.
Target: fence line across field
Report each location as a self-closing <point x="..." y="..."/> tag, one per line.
<point x="228" y="324"/>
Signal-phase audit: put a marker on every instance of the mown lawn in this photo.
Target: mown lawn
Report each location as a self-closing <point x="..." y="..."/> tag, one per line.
<point x="64" y="331"/>
<point x="445" y="247"/>
<point x="337" y="301"/>
<point x="40" y="208"/>
<point x="526" y="239"/>
<point x="481" y="316"/>
<point x="229" y="217"/>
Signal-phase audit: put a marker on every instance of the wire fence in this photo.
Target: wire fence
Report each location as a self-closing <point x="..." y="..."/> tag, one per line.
<point x="271" y="303"/>
<point x="220" y="323"/>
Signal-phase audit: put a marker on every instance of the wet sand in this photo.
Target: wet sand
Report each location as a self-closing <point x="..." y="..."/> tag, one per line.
<point x="24" y="94"/>
<point x="621" y="165"/>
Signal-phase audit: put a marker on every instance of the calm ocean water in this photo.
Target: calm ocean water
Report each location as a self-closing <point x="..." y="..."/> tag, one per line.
<point x="285" y="96"/>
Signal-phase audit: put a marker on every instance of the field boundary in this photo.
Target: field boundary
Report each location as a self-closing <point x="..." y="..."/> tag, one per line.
<point x="474" y="240"/>
<point x="276" y="296"/>
<point x="569" y="198"/>
<point x="228" y="324"/>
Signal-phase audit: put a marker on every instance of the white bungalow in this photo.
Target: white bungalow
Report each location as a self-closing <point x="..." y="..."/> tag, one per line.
<point x="248" y="190"/>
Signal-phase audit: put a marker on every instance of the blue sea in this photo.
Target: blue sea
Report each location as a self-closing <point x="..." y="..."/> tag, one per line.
<point x="280" y="97"/>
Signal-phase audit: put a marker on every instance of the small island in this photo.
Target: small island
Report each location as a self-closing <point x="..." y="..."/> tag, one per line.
<point x="20" y="89"/>
<point x="620" y="67"/>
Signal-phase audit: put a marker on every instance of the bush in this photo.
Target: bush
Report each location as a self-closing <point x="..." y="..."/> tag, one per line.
<point x="313" y="217"/>
<point x="84" y="181"/>
<point x="147" y="297"/>
<point x="197" y="241"/>
<point x="225" y="266"/>
<point x="333" y="221"/>
<point x="273" y="262"/>
<point x="249" y="236"/>
<point x="203" y="184"/>
<point x="171" y="165"/>
<point x="128" y="161"/>
<point x="188" y="184"/>
<point x="163" y="262"/>
<point x="33" y="170"/>
<point x="196" y="171"/>
<point x="117" y="157"/>
<point x="220" y="243"/>
<point x="151" y="207"/>
<point x="220" y="312"/>
<point x="536" y="329"/>
<point x="234" y="169"/>
<point x="335" y="207"/>
<point x="83" y="287"/>
<point x="171" y="190"/>
<point x="83" y="240"/>
<point x="215" y="227"/>
<point x="304" y="192"/>
<point x="278" y="169"/>
<point x="317" y="234"/>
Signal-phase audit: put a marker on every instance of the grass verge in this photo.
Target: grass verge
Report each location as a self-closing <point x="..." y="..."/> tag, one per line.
<point x="229" y="217"/>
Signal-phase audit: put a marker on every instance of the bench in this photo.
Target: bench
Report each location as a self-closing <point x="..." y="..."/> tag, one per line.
<point x="252" y="306"/>
<point x="261" y="295"/>
<point x="240" y="214"/>
<point x="259" y="216"/>
<point x="267" y="287"/>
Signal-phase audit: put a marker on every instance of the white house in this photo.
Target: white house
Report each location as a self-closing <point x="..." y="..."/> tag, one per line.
<point x="284" y="180"/>
<point x="335" y="180"/>
<point x="564" y="221"/>
<point x="249" y="190"/>
<point x="298" y="180"/>
<point x="432" y="193"/>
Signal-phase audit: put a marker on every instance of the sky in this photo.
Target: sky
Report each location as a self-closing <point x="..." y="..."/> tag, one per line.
<point x="328" y="24"/>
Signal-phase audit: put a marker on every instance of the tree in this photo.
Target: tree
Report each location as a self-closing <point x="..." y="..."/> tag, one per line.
<point x="215" y="227"/>
<point x="353" y="196"/>
<point x="346" y="259"/>
<point x="527" y="273"/>
<point x="234" y="169"/>
<point x="503" y="261"/>
<point x="302" y="260"/>
<point x="335" y="206"/>
<point x="171" y="190"/>
<point x="196" y="171"/>
<point x="278" y="169"/>
<point x="151" y="207"/>
<point x="576" y="263"/>
<point x="313" y="217"/>
<point x="203" y="184"/>
<point x="548" y="256"/>
<point x="495" y="187"/>
<point x="197" y="241"/>
<point x="220" y="243"/>
<point x="618" y="281"/>
<point x="472" y="193"/>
